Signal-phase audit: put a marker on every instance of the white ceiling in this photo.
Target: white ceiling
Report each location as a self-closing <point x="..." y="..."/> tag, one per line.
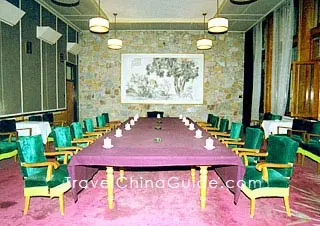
<point x="165" y="14"/>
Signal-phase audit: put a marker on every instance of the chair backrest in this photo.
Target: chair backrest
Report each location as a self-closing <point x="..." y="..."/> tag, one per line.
<point x="236" y="130"/>
<point x="315" y="128"/>
<point x="282" y="150"/>
<point x="214" y="121"/>
<point x="88" y="125"/>
<point x="153" y="114"/>
<point x="209" y="118"/>
<point x="35" y="118"/>
<point x="254" y="138"/>
<point x="100" y="121"/>
<point x="30" y="150"/>
<point x="48" y="117"/>
<point x="106" y="117"/>
<point x="76" y="130"/>
<point x="8" y="125"/>
<point x="224" y="125"/>
<point x="62" y="137"/>
<point x="299" y="124"/>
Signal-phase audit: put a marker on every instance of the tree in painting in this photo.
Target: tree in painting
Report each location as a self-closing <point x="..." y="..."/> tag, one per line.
<point x="182" y="70"/>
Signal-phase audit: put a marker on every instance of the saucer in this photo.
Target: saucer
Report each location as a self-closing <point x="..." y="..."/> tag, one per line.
<point x="107" y="147"/>
<point x="209" y="148"/>
<point x="127" y="129"/>
<point x="192" y="129"/>
<point x="117" y="136"/>
<point x="198" y="137"/>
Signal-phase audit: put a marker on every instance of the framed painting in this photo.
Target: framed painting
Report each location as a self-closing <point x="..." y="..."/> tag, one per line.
<point x="162" y="78"/>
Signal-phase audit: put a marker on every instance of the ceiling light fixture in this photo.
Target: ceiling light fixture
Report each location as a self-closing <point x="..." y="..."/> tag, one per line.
<point x="99" y="24"/>
<point x="242" y="2"/>
<point x="67" y="3"/>
<point x="204" y="43"/>
<point x="218" y="24"/>
<point x="115" y="43"/>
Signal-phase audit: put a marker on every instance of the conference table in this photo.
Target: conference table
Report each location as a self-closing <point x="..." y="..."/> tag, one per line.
<point x="138" y="148"/>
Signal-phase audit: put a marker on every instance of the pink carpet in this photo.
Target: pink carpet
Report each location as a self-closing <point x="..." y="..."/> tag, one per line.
<point x="160" y="206"/>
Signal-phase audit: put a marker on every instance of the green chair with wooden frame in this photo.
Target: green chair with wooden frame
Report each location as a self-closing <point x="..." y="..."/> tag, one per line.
<point x="234" y="134"/>
<point x="42" y="177"/>
<point x="252" y="143"/>
<point x="112" y="123"/>
<point x="63" y="141"/>
<point x="101" y="123"/>
<point x="207" y="123"/>
<point x="89" y="127"/>
<point x="271" y="178"/>
<point x="214" y="124"/>
<point x="77" y="133"/>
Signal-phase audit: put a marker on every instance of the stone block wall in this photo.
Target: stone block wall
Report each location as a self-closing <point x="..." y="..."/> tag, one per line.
<point x="100" y="73"/>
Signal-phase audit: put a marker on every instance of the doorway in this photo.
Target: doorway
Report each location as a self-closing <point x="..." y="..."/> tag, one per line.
<point x="72" y="93"/>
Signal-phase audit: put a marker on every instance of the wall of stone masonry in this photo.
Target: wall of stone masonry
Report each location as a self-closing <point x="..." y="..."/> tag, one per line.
<point x="100" y="73"/>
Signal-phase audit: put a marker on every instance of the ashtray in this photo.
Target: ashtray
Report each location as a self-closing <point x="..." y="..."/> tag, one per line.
<point x="157" y="127"/>
<point x="157" y="140"/>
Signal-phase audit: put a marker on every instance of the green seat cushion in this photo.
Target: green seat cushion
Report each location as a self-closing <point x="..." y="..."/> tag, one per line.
<point x="59" y="176"/>
<point x="6" y="147"/>
<point x="253" y="179"/>
<point x="312" y="147"/>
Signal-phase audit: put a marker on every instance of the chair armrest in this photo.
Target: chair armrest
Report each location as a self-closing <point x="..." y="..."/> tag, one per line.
<point x="233" y="142"/>
<point x="72" y="148"/>
<point x="50" y="165"/>
<point x="30" y="130"/>
<point x="312" y="135"/>
<point x="97" y="134"/>
<point x="245" y="155"/>
<point x="65" y="153"/>
<point x="82" y="140"/>
<point x="229" y="139"/>
<point x="10" y="134"/>
<point x="104" y="129"/>
<point x="58" y="123"/>
<point x="210" y="128"/>
<point x="237" y="150"/>
<point x="263" y="166"/>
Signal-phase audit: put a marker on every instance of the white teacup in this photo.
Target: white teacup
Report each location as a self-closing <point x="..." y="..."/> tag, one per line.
<point x="127" y="126"/>
<point x="198" y="133"/>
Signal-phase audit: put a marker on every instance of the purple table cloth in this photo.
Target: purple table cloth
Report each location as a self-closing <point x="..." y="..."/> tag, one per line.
<point x="136" y="148"/>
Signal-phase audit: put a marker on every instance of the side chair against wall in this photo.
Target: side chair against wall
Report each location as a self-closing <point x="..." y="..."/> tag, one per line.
<point x="214" y="124"/>
<point x="35" y="118"/>
<point x="101" y="123"/>
<point x="205" y="123"/>
<point x="48" y="117"/>
<point x="42" y="178"/>
<point x="252" y="143"/>
<point x="63" y="142"/>
<point x="77" y="133"/>
<point x="311" y="147"/>
<point x="89" y="127"/>
<point x="271" y="178"/>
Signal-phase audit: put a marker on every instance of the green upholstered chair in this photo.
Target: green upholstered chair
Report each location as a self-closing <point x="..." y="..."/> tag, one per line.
<point x="214" y="124"/>
<point x="298" y="130"/>
<point x="42" y="178"/>
<point x="235" y="133"/>
<point x="63" y="141"/>
<point x="112" y="123"/>
<point x="89" y="127"/>
<point x="223" y="126"/>
<point x="77" y="133"/>
<point x="205" y="123"/>
<point x="252" y="143"/>
<point x="101" y="122"/>
<point x="271" y="178"/>
<point x="311" y="147"/>
<point x="270" y="116"/>
<point x="8" y="150"/>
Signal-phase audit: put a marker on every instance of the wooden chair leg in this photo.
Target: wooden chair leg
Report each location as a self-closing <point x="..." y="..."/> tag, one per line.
<point x="298" y="158"/>
<point x="61" y="204"/>
<point x="252" y="206"/>
<point x="15" y="158"/>
<point x="26" y="205"/>
<point x="318" y="167"/>
<point x="302" y="160"/>
<point x="121" y="174"/>
<point x="286" y="205"/>
<point x="193" y="174"/>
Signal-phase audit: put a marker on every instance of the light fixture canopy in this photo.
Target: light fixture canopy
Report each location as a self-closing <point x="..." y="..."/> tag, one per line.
<point x="66" y="3"/>
<point x="242" y="2"/>
<point x="115" y="43"/>
<point x="99" y="24"/>
<point x="204" y="43"/>
<point x="218" y="25"/>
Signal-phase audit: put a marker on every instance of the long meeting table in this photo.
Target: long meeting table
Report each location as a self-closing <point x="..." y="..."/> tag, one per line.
<point x="137" y="148"/>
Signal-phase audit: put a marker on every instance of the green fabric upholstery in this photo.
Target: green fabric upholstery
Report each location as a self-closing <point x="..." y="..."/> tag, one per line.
<point x="214" y="121"/>
<point x="281" y="150"/>
<point x="312" y="146"/>
<point x="88" y="125"/>
<point x="100" y="121"/>
<point x="76" y="130"/>
<point x="236" y="130"/>
<point x="62" y="137"/>
<point x="6" y="147"/>
<point x="270" y="116"/>
<point x="209" y="118"/>
<point x="224" y="125"/>
<point x="30" y="150"/>
<point x="254" y="138"/>
<point x="106" y="117"/>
